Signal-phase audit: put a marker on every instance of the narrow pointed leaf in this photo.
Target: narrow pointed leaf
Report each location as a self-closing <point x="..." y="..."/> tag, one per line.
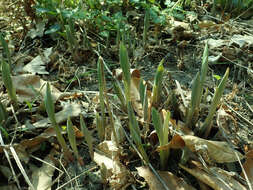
<point x="87" y="136"/>
<point x="72" y="137"/>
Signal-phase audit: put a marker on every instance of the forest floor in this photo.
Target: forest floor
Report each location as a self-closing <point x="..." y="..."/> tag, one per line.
<point x="42" y="50"/>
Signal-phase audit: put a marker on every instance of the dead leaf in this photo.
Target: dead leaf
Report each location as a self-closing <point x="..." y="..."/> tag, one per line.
<point x="241" y="40"/>
<point x="38" y="64"/>
<point x="135" y="95"/>
<point x="119" y="176"/>
<point x="176" y="143"/>
<point x="69" y="110"/>
<point x="172" y="181"/>
<point x="134" y="90"/>
<point x="214" y="44"/>
<point x="29" y="86"/>
<point x="217" y="151"/>
<point x="248" y="166"/>
<point x="42" y="177"/>
<point x="226" y="123"/>
<point x="216" y="178"/>
<point x="38" y="31"/>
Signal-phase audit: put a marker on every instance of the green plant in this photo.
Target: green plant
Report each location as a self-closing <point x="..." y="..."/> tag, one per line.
<point x="6" y="75"/>
<point x="49" y="104"/>
<point x="58" y="13"/>
<point x="71" y="38"/>
<point x="103" y="94"/>
<point x="206" y="127"/>
<point x="193" y="108"/>
<point x="135" y="132"/>
<point x="162" y="133"/>
<point x="119" y="92"/>
<point x="6" y="52"/>
<point x="146" y="27"/>
<point x="197" y="91"/>
<point x="72" y="140"/>
<point x="100" y="127"/>
<point x="87" y="136"/>
<point x="125" y="66"/>
<point x="133" y="124"/>
<point x="157" y="88"/>
<point x="101" y="83"/>
<point x="3" y="119"/>
<point x="144" y="99"/>
<point x="72" y="137"/>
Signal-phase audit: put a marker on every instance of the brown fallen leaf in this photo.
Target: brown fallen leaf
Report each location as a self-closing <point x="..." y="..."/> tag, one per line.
<point x="248" y="166"/>
<point x="26" y="82"/>
<point x="173" y="182"/>
<point x="216" y="178"/>
<point x="217" y="151"/>
<point x="117" y="174"/>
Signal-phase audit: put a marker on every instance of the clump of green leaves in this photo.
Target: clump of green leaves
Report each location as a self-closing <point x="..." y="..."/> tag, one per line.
<point x="162" y="133"/>
<point x="206" y="127"/>
<point x="197" y="91"/>
<point x="133" y="124"/>
<point x="197" y="95"/>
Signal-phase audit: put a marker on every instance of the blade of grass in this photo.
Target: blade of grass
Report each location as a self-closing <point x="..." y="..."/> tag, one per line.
<point x="195" y="96"/>
<point x="49" y="104"/>
<point x="6" y="76"/>
<point x="203" y="73"/>
<point x="87" y="136"/>
<point x="118" y="91"/>
<point x="100" y="128"/>
<point x="72" y="137"/>
<point x="156" y="94"/>
<point x="146" y="27"/>
<point x="101" y="82"/>
<point x="135" y="132"/>
<point x="6" y="52"/>
<point x="101" y="66"/>
<point x="162" y="133"/>
<point x="125" y="66"/>
<point x="206" y="128"/>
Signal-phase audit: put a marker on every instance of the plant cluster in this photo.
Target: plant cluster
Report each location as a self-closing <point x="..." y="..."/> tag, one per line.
<point x="108" y="20"/>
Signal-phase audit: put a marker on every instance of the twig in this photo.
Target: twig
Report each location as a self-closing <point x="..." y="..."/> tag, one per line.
<point x="243" y="118"/>
<point x="88" y="170"/>
<point x="9" y="160"/>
